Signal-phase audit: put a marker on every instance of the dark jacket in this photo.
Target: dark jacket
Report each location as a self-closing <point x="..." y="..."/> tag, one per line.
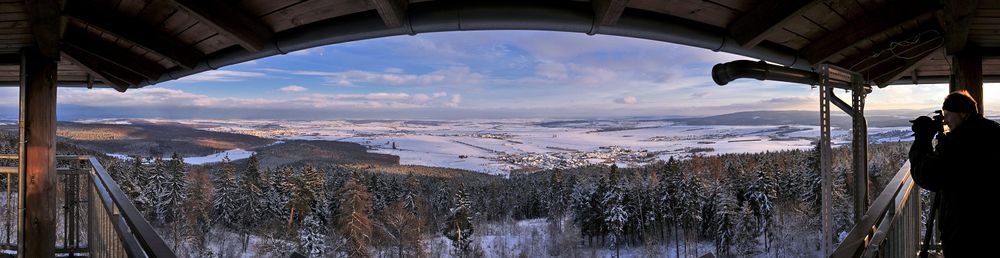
<point x="964" y="169"/>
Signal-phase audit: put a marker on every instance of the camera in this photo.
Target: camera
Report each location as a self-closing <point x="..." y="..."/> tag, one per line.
<point x="939" y="125"/>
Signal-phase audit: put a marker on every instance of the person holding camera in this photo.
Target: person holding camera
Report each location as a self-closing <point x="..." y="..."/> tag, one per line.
<point x="963" y="170"/>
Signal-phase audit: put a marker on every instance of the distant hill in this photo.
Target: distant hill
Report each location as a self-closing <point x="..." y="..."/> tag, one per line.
<point x="838" y="119"/>
<point x="150" y="139"/>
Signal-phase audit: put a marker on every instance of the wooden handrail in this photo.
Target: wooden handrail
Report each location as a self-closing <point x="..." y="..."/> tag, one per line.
<point x="150" y="241"/>
<point x="135" y="233"/>
<point x="886" y="209"/>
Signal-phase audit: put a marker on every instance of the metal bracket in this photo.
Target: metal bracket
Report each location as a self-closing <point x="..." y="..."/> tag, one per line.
<point x="829" y="77"/>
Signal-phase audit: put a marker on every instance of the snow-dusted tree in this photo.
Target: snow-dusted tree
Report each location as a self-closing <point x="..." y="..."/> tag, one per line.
<point x="402" y="228"/>
<point x="133" y="180"/>
<point x="615" y="214"/>
<point x="746" y="236"/>
<point x="558" y="196"/>
<point x="251" y="190"/>
<point x="153" y="189"/>
<point x="689" y="202"/>
<point x="227" y="196"/>
<point x="283" y="186"/>
<point x="759" y="197"/>
<point x="172" y="197"/>
<point x="309" y="189"/>
<point x="669" y="202"/>
<point x="411" y="198"/>
<point x="311" y="237"/>
<point x="380" y="192"/>
<point x="353" y="219"/>
<point x="458" y="227"/>
<point x="727" y="217"/>
<point x="198" y="208"/>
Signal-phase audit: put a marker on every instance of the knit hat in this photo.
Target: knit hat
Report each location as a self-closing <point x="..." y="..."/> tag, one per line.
<point x="960" y="102"/>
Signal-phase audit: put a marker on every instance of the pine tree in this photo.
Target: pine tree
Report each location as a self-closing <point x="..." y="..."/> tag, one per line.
<point x="759" y="198"/>
<point x="173" y="195"/>
<point x="311" y="238"/>
<point x="411" y="199"/>
<point x="746" y="236"/>
<point x="252" y="194"/>
<point x="198" y="208"/>
<point x="458" y="227"/>
<point x="582" y="203"/>
<point x="615" y="214"/>
<point x="309" y="188"/>
<point x="354" y="218"/>
<point x="558" y="196"/>
<point x="727" y="214"/>
<point x="133" y="181"/>
<point x="151" y="191"/>
<point x="227" y="197"/>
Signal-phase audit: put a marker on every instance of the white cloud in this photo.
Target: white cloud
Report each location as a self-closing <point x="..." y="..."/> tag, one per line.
<point x="293" y="88"/>
<point x="628" y="100"/>
<point x="168" y="98"/>
<point x="151" y="97"/>
<point x="461" y="75"/>
<point x="552" y="70"/>
<point x="455" y="100"/>
<point x="221" y="76"/>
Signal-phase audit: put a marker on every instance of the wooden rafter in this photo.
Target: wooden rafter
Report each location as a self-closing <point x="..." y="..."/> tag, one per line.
<point x="229" y="21"/>
<point x="757" y="24"/>
<point x="393" y="12"/>
<point x="47" y="25"/>
<point x="146" y="37"/>
<point x="122" y="57"/>
<point x="607" y="12"/>
<point x="117" y="77"/>
<point x="926" y="34"/>
<point x="866" y="26"/>
<point x="956" y="18"/>
<point x="889" y="72"/>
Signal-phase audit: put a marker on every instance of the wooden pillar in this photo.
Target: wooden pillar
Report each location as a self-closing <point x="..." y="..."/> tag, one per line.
<point x="967" y="74"/>
<point x="37" y="166"/>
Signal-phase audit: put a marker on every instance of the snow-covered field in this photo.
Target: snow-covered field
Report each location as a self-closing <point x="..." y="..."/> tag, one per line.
<point x="500" y="146"/>
<point x="234" y="154"/>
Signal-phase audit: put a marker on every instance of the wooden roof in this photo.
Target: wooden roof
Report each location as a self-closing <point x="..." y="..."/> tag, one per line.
<point x="134" y="43"/>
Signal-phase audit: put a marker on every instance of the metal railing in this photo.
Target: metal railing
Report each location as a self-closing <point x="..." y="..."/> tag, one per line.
<point x="96" y="218"/>
<point x="891" y="227"/>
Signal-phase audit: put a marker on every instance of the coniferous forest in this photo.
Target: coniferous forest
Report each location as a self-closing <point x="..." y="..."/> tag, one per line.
<point x="732" y="205"/>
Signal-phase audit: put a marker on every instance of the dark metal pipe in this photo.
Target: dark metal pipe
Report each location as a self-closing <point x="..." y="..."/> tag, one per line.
<point x="437" y="16"/>
<point x="724" y="73"/>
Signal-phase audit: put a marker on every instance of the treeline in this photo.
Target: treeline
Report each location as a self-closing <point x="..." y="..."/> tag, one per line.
<point x="745" y="204"/>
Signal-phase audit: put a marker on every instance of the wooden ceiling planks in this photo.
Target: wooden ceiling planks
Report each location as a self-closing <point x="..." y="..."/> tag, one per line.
<point x="696" y="10"/>
<point x="310" y="11"/>
<point x="229" y="21"/>
<point x="139" y="34"/>
<point x="768" y="17"/>
<point x="811" y="27"/>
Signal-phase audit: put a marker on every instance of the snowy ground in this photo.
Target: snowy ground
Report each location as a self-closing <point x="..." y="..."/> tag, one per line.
<point x="499" y="146"/>
<point x="234" y="154"/>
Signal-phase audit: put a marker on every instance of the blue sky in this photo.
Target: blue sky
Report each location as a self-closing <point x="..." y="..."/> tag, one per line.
<point x="484" y="74"/>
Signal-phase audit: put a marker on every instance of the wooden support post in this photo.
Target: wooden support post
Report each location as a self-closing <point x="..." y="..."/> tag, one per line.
<point x="37" y="166"/>
<point x="967" y="74"/>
